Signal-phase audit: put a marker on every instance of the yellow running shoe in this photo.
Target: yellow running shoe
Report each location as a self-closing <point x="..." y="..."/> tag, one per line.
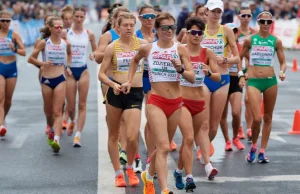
<point x="148" y="185"/>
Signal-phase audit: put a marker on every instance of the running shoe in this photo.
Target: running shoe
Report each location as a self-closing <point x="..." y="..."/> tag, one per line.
<point x="65" y="125"/>
<point x="119" y="146"/>
<point x="137" y="165"/>
<point x="241" y="133"/>
<point x="173" y="146"/>
<point x="47" y="129"/>
<point x="167" y="192"/>
<point x="2" y="131"/>
<point x="148" y="185"/>
<point x="70" y="129"/>
<point x="76" y="142"/>
<point x="228" y="146"/>
<point x="212" y="150"/>
<point x="262" y="159"/>
<point x="123" y="157"/>
<point x="120" y="181"/>
<point x="249" y="135"/>
<point x="190" y="185"/>
<point x="55" y="146"/>
<point x="238" y="144"/>
<point x="132" y="178"/>
<point x="178" y="180"/>
<point x="251" y="155"/>
<point x="50" y="138"/>
<point x="211" y="172"/>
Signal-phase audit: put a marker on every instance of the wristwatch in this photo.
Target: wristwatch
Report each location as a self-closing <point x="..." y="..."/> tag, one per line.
<point x="225" y="60"/>
<point x="181" y="71"/>
<point x="209" y="73"/>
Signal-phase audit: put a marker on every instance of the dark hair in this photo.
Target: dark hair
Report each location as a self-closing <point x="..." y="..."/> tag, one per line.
<point x="244" y="8"/>
<point x="113" y="6"/>
<point x="194" y="21"/>
<point x="145" y="6"/>
<point x="191" y="13"/>
<point x="46" y="31"/>
<point x="113" y="15"/>
<point x="108" y="24"/>
<point x="198" y="7"/>
<point x="81" y="8"/>
<point x="65" y="10"/>
<point x="163" y="16"/>
<point x="157" y="8"/>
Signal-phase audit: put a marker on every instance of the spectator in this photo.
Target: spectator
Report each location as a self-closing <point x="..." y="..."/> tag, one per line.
<point x="183" y="15"/>
<point x="228" y="14"/>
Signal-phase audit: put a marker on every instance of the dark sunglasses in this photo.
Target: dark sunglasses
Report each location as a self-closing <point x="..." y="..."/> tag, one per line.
<point x="195" y="32"/>
<point x="167" y="27"/>
<point x="235" y="30"/>
<point x="149" y="15"/>
<point x="265" y="22"/>
<point x="5" y="21"/>
<point x="58" y="26"/>
<point x="246" y="15"/>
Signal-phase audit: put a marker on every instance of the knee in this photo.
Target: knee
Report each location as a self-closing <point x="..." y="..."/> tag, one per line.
<point x="57" y="113"/>
<point x="205" y="127"/>
<point x="163" y="148"/>
<point x="82" y="106"/>
<point x="113" y="136"/>
<point x="267" y="118"/>
<point x="189" y="141"/>
<point x="236" y="115"/>
<point x="132" y="141"/>
<point x="257" y="120"/>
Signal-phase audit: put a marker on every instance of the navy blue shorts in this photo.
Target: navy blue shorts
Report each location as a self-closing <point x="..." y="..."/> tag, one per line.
<point x="214" y="86"/>
<point x="8" y="70"/>
<point x="77" y="71"/>
<point x="53" y="82"/>
<point x="146" y="85"/>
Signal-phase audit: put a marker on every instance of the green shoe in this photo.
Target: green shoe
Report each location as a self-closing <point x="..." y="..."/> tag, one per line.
<point x="50" y="138"/>
<point x="119" y="146"/>
<point x="123" y="157"/>
<point x="55" y="146"/>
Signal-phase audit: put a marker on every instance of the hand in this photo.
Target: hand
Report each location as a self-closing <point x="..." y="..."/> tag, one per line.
<point x="92" y="56"/>
<point x="242" y="82"/>
<point x="220" y="60"/>
<point x="47" y="64"/>
<point x="126" y="87"/>
<point x="205" y="69"/>
<point x="177" y="64"/>
<point x="117" y="89"/>
<point x="281" y="75"/>
<point x="41" y="68"/>
<point x="12" y="46"/>
<point x="246" y="76"/>
<point x="68" y="71"/>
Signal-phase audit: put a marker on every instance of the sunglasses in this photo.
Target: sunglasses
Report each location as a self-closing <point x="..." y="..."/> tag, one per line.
<point x="5" y="21"/>
<point x="195" y="32"/>
<point x="58" y="26"/>
<point x="167" y="27"/>
<point x="149" y="15"/>
<point x="246" y="15"/>
<point x="265" y="22"/>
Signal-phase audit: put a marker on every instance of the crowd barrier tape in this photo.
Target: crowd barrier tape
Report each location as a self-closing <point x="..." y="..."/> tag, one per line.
<point x="29" y="30"/>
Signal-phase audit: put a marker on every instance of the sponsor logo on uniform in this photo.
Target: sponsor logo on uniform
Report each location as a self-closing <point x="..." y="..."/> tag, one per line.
<point x="46" y="82"/>
<point x="125" y="54"/>
<point x="210" y="41"/>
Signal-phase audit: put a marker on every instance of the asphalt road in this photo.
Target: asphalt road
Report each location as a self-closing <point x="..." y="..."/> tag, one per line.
<point x="28" y="166"/>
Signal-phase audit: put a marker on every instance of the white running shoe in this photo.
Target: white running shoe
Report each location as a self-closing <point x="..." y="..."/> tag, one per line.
<point x="137" y="165"/>
<point x="211" y="172"/>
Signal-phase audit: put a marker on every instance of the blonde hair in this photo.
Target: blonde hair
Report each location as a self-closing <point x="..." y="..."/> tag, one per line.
<point x="117" y="11"/>
<point x="65" y="10"/>
<point x="126" y="16"/>
<point x="4" y="12"/>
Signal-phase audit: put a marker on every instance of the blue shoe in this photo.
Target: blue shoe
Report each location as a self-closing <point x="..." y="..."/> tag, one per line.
<point x="262" y="159"/>
<point x="190" y="185"/>
<point x="251" y="155"/>
<point x="178" y="180"/>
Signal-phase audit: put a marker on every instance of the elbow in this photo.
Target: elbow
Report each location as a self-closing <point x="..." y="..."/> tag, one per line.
<point x="192" y="79"/>
<point x="29" y="60"/>
<point x="23" y="53"/>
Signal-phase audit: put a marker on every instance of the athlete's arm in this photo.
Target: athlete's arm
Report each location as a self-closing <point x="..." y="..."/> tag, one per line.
<point x="104" y="40"/>
<point x="184" y="39"/>
<point x="92" y="40"/>
<point x="181" y="34"/>
<point x="64" y="34"/>
<point x="21" y="48"/>
<point x="69" y="54"/>
<point x="108" y="55"/>
<point x="281" y="59"/>
<point x="37" y="42"/>
<point x="232" y="44"/>
<point x="34" y="55"/>
<point x="212" y="62"/>
<point x="188" y="73"/>
<point x="245" y="49"/>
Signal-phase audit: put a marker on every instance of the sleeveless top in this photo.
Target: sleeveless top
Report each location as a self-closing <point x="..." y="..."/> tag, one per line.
<point x="55" y="53"/>
<point x="79" y="47"/>
<point x="197" y="65"/>
<point x="242" y="37"/>
<point x="114" y="35"/>
<point x="121" y="59"/>
<point x="262" y="50"/>
<point x="160" y="67"/>
<point x="218" y="42"/>
<point x="5" y="50"/>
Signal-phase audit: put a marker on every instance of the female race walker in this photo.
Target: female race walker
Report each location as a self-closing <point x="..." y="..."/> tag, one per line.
<point x="10" y="45"/>
<point x="220" y="39"/>
<point x="121" y="103"/>
<point x="165" y="59"/>
<point x="56" y="56"/>
<point x="147" y="17"/>
<point x="79" y="38"/>
<point x="193" y="104"/>
<point x="262" y="80"/>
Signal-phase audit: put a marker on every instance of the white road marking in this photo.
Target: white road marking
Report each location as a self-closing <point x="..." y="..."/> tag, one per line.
<point x="18" y="141"/>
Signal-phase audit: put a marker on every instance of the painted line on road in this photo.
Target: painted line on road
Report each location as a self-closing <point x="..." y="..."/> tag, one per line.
<point x="18" y="140"/>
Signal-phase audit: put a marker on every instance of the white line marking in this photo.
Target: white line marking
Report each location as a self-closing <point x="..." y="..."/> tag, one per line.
<point x="18" y="140"/>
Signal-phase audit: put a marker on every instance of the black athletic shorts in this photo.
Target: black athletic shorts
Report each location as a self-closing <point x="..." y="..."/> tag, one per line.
<point x="234" y="85"/>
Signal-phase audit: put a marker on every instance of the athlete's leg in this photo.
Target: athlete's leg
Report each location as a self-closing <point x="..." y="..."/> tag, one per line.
<point x="71" y="102"/>
<point x="2" y="99"/>
<point x="224" y="124"/>
<point x="9" y="91"/>
<point x="58" y="100"/>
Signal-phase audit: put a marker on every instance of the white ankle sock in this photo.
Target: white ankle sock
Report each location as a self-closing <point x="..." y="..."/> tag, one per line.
<point x="78" y="134"/>
<point x="56" y="137"/>
<point x="179" y="171"/>
<point x="118" y="172"/>
<point x="129" y="166"/>
<point x="148" y="176"/>
<point x="189" y="176"/>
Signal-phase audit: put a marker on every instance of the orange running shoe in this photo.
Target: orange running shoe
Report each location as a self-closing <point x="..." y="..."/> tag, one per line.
<point x="228" y="146"/>
<point x="173" y="146"/>
<point x="76" y="142"/>
<point x="132" y="178"/>
<point x="148" y="185"/>
<point x="212" y="150"/>
<point x="64" y="125"/>
<point x="241" y="133"/>
<point x="70" y="129"/>
<point x="2" y="131"/>
<point x="47" y="129"/>
<point x="198" y="154"/>
<point x="120" y="181"/>
<point x="167" y="192"/>
<point x="238" y="144"/>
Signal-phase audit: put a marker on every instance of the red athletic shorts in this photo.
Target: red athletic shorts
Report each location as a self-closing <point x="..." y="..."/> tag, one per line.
<point x="168" y="106"/>
<point x="194" y="106"/>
